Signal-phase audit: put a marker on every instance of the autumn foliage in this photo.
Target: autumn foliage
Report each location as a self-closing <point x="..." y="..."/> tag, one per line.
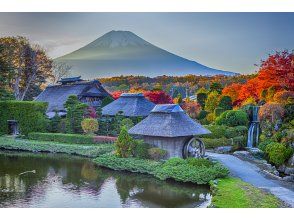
<point x="192" y="108"/>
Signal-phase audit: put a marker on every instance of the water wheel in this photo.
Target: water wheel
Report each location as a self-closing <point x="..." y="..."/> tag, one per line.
<point x="194" y="148"/>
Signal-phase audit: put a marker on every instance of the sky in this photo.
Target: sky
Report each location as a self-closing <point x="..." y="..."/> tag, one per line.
<point x="228" y="41"/>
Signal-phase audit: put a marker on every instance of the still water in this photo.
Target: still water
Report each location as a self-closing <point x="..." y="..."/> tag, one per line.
<point x="54" y="180"/>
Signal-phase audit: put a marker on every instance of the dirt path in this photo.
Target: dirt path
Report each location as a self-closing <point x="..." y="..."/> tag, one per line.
<point x="250" y="173"/>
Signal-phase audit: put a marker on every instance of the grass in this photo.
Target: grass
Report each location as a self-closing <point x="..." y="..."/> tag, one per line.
<point x="93" y="150"/>
<point x="234" y="193"/>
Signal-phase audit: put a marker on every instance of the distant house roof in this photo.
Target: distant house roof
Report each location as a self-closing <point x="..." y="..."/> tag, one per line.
<point x="130" y="104"/>
<point x="70" y="80"/>
<point x="168" y="120"/>
<point x="57" y="95"/>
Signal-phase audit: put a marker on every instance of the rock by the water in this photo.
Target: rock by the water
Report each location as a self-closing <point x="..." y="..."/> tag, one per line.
<point x="223" y="150"/>
<point x="291" y="161"/>
<point x="281" y="168"/>
<point x="289" y="178"/>
<point x="289" y="170"/>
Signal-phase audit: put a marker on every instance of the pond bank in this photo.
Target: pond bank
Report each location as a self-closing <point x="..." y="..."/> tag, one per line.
<point x="93" y="151"/>
<point x="250" y="173"/>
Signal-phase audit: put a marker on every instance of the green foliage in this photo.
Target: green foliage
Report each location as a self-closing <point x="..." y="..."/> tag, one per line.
<point x="141" y="149"/>
<point x="225" y="103"/>
<point x="201" y="98"/>
<point x="218" y="111"/>
<point x="198" y="162"/>
<point x="212" y="101"/>
<point x="125" y="144"/>
<point x="54" y="147"/>
<point x="217" y="142"/>
<point x="30" y="115"/>
<point x="240" y="141"/>
<point x="179" y="169"/>
<point x="232" y="118"/>
<point x="127" y="122"/>
<point x="289" y="112"/>
<point x="278" y="153"/>
<point x="195" y="172"/>
<point x="63" y="138"/>
<point x="216" y="86"/>
<point x="130" y="164"/>
<point x="74" y="114"/>
<point x="155" y="153"/>
<point x="54" y="123"/>
<point x="90" y="125"/>
<point x="234" y="193"/>
<point x="217" y="131"/>
<point x="202" y="114"/>
<point x="107" y="100"/>
<point x="262" y="145"/>
<point x="232" y="132"/>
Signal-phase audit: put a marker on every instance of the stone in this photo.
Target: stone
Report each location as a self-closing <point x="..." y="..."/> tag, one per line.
<point x="289" y="170"/>
<point x="291" y="161"/>
<point x="281" y="168"/>
<point x="289" y="178"/>
<point x="223" y="150"/>
<point x="256" y="152"/>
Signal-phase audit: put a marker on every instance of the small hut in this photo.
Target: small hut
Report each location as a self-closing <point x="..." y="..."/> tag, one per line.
<point x="170" y="128"/>
<point x="90" y="92"/>
<point x="129" y="105"/>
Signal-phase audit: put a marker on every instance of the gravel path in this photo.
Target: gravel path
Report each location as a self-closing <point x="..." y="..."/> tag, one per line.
<point x="250" y="173"/>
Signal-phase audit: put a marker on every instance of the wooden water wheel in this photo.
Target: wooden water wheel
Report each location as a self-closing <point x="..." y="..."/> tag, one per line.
<point x="194" y="148"/>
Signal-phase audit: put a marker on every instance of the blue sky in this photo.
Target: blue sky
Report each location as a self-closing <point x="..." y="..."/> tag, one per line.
<point x="229" y="41"/>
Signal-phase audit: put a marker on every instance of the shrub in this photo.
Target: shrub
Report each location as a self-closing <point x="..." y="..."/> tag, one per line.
<point x="30" y="116"/>
<point x="54" y="123"/>
<point x="278" y="153"/>
<point x="262" y="145"/>
<point x="198" y="162"/>
<point x="201" y="98"/>
<point x="218" y="111"/>
<point x="89" y="125"/>
<point x="125" y="144"/>
<point x="217" y="131"/>
<point x="127" y="122"/>
<point x="232" y="118"/>
<point x="63" y="138"/>
<point x="210" y="117"/>
<point x="271" y="112"/>
<point x="217" y="142"/>
<point x="212" y="101"/>
<point x="240" y="141"/>
<point x="156" y="153"/>
<point x="202" y="114"/>
<point x="104" y="139"/>
<point x="107" y="100"/>
<point x="195" y="172"/>
<point x="232" y="132"/>
<point x="141" y="149"/>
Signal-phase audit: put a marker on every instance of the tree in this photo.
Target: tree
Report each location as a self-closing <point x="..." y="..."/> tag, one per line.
<point x="107" y="100"/>
<point x="158" y="97"/>
<point x="192" y="108"/>
<point x="178" y="99"/>
<point x="116" y="94"/>
<point x="225" y="103"/>
<point x="59" y="70"/>
<point x="284" y="97"/>
<point x="89" y="125"/>
<point x="29" y="65"/>
<point x="272" y="112"/>
<point x="212" y="101"/>
<point x="232" y="91"/>
<point x="74" y="114"/>
<point x="216" y="86"/>
<point x="124" y="144"/>
<point x="201" y="98"/>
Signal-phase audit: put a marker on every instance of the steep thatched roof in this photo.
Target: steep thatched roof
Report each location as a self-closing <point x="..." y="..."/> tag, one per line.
<point x="57" y="95"/>
<point x="130" y="104"/>
<point x="168" y="120"/>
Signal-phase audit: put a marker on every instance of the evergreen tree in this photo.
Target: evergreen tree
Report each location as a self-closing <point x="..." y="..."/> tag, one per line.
<point x="226" y="103"/>
<point x="124" y="144"/>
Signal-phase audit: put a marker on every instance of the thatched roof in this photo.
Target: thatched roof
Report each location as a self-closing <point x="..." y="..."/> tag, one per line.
<point x="130" y="104"/>
<point x="57" y="95"/>
<point x="168" y="120"/>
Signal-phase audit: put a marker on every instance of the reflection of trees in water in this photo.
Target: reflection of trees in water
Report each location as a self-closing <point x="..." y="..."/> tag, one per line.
<point x="72" y="173"/>
<point x="155" y="193"/>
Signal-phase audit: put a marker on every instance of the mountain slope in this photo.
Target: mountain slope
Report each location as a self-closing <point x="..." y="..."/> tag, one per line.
<point x="124" y="53"/>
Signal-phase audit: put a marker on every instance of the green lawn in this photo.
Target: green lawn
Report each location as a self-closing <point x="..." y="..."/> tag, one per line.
<point x="93" y="150"/>
<point x="234" y="193"/>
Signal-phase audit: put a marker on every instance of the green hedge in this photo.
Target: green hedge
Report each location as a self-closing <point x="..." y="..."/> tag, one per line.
<point x="193" y="170"/>
<point x="217" y="131"/>
<point x="53" y="147"/>
<point x="63" y="138"/>
<point x="216" y="142"/>
<point x="232" y="118"/>
<point x="29" y="114"/>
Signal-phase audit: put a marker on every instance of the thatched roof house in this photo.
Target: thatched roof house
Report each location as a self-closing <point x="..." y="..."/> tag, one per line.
<point x="130" y="104"/>
<point x="169" y="128"/>
<point x="89" y="92"/>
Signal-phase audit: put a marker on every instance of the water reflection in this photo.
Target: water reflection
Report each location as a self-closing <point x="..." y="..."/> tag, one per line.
<point x="67" y="181"/>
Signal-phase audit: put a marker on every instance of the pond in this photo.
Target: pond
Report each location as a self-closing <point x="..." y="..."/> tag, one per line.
<point x="55" y="180"/>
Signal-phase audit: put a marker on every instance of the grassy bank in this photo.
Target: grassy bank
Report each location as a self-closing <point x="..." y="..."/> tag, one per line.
<point x="199" y="171"/>
<point x="234" y="193"/>
<point x="54" y="147"/>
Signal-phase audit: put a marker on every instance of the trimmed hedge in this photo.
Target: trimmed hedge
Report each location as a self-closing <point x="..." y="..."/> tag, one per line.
<point x="53" y="147"/>
<point x="29" y="114"/>
<point x="70" y="138"/>
<point x="217" y="131"/>
<point x="193" y="170"/>
<point x="232" y="118"/>
<point x="217" y="142"/>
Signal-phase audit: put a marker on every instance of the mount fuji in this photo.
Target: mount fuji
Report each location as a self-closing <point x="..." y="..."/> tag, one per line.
<point x="124" y="53"/>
